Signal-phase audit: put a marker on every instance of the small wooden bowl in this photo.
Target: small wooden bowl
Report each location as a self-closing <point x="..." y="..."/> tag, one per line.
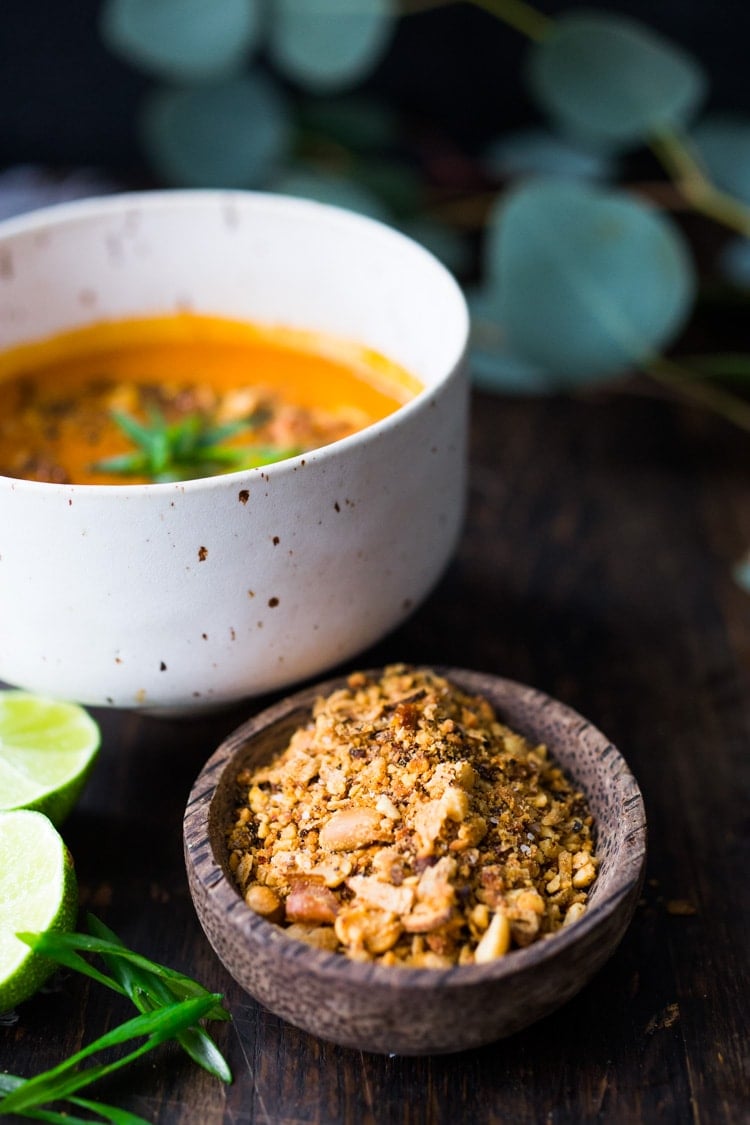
<point x="420" y="1011"/>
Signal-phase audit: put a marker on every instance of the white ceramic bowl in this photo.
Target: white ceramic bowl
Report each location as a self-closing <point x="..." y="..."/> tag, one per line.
<point x="196" y="594"/>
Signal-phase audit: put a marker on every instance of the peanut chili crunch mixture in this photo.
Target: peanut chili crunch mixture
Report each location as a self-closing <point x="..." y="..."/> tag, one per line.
<point x="406" y="825"/>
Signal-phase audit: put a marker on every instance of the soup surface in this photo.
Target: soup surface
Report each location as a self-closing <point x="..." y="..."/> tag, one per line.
<point x="183" y="396"/>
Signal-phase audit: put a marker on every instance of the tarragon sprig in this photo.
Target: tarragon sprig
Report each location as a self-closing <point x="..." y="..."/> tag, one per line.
<point x="191" y="447"/>
<point x="106" y="1114"/>
<point x="67" y="1078"/>
<point x="170" y="1004"/>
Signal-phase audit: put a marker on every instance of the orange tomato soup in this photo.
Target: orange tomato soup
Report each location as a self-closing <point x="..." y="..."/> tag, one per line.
<point x="251" y="394"/>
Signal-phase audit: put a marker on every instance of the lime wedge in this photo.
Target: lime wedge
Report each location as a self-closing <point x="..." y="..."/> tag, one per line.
<point x="47" y="749"/>
<point x="37" y="892"/>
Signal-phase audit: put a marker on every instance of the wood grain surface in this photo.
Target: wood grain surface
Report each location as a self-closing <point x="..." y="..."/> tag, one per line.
<point x="595" y="565"/>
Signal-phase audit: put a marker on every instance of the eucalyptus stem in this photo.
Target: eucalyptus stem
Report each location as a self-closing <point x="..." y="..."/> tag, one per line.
<point x="414" y="7"/>
<point x="721" y="365"/>
<point x="685" y="382"/>
<point x="672" y="150"/>
<point x="518" y="15"/>
<point x="679" y="160"/>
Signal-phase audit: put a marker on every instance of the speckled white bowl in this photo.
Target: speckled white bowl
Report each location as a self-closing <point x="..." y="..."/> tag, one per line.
<point x="182" y="596"/>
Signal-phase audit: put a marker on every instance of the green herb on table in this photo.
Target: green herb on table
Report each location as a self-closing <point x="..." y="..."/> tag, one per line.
<point x="170" y="1004"/>
<point x="189" y="448"/>
<point x="106" y="1113"/>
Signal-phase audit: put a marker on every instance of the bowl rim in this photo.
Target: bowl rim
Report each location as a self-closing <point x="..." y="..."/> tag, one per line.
<point x="99" y="206"/>
<point x="336" y="968"/>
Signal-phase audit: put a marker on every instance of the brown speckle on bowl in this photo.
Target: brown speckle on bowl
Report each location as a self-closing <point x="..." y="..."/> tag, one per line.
<point x="404" y="1010"/>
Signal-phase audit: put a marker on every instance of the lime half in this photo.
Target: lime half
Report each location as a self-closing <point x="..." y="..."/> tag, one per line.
<point x="47" y="749"/>
<point x="37" y="892"/>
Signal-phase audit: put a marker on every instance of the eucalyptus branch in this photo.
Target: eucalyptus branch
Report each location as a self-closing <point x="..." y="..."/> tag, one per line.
<point x="727" y="366"/>
<point x="682" y="381"/>
<point x="415" y="7"/>
<point x="673" y="151"/>
<point x="519" y="15"/>
<point x="681" y="163"/>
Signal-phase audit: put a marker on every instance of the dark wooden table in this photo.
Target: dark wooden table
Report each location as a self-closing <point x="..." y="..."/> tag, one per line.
<point x="596" y="565"/>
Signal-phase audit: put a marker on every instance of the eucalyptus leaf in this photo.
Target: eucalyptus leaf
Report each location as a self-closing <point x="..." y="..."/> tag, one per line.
<point x="589" y="282"/>
<point x="499" y="371"/>
<point x="723" y="146"/>
<point x="741" y="574"/>
<point x="535" y="152"/>
<point x="609" y="78"/>
<point x="734" y="262"/>
<point x="234" y="133"/>
<point x="182" y="39"/>
<point x="326" y="45"/>
<point x="492" y="365"/>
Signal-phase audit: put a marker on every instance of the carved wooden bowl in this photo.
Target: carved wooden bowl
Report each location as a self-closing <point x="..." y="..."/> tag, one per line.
<point x="420" y="1011"/>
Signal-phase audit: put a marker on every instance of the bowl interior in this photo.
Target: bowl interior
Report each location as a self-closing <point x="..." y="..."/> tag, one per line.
<point x="243" y="255"/>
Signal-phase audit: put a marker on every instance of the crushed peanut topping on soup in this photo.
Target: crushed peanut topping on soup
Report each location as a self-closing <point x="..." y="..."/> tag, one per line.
<point x="405" y="824"/>
<point x="183" y="396"/>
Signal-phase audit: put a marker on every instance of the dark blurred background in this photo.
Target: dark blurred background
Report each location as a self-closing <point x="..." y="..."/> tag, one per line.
<point x="66" y="100"/>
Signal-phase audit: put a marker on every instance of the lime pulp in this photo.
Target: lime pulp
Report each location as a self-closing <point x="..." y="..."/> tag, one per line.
<point x="47" y="750"/>
<point x="37" y="892"/>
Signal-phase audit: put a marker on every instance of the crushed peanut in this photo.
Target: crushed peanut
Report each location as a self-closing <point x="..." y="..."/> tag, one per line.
<point x="406" y="825"/>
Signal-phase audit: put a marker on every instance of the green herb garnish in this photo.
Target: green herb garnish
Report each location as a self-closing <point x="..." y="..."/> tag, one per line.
<point x="189" y="448"/>
<point x="170" y="1004"/>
